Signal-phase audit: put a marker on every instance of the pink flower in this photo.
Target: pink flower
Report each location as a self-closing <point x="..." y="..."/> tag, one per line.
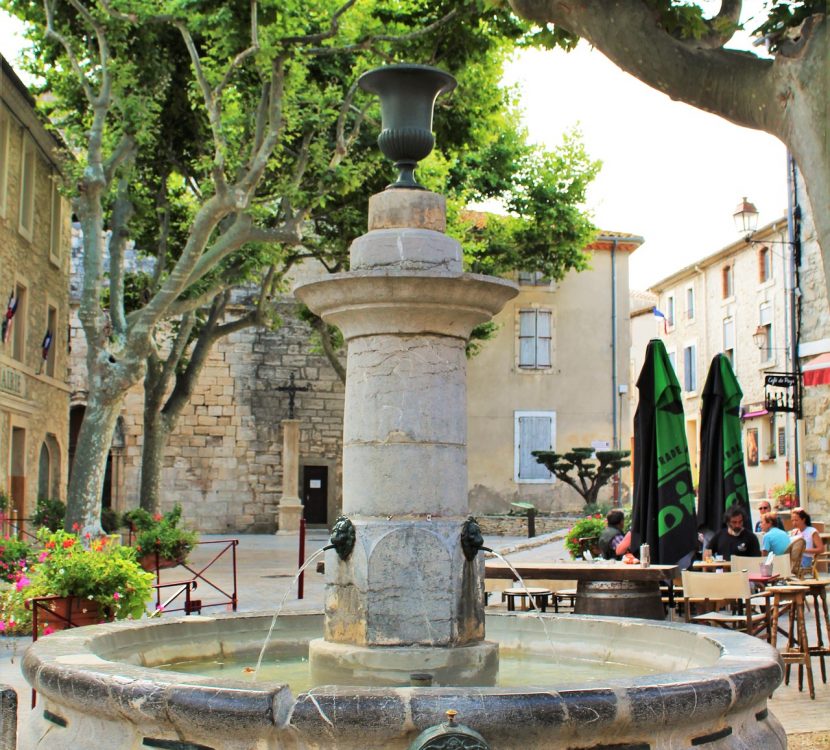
<point x="42" y="556"/>
<point x="48" y="630"/>
<point x="2" y="625"/>
<point x="22" y="582"/>
<point x="159" y="608"/>
<point x="116" y="596"/>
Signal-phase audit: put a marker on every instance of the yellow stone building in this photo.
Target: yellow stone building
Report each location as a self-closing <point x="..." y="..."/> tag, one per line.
<point x="34" y="280"/>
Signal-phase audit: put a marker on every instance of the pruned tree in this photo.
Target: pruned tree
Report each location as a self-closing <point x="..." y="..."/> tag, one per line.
<point x="584" y="469"/>
<point x="674" y="47"/>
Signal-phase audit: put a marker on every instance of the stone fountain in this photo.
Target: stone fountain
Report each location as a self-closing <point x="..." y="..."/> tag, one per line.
<point x="404" y="601"/>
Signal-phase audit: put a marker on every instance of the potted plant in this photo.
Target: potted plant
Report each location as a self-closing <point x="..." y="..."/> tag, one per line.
<point x="81" y="582"/>
<point x="49" y="514"/>
<point x="159" y="541"/>
<point x="784" y="495"/>
<point x="584" y="534"/>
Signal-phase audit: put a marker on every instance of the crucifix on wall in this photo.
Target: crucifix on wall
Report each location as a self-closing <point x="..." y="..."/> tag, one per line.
<point x="291" y="389"/>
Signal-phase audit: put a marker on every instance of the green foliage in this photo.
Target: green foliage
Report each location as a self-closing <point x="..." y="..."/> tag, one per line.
<point x="5" y="501"/>
<point x="784" y="494"/>
<point x="110" y="520"/>
<point x="161" y="533"/>
<point x="102" y="572"/>
<point x="589" y="527"/>
<point x="49" y="514"/>
<point x="584" y="469"/>
<point x="480" y="334"/>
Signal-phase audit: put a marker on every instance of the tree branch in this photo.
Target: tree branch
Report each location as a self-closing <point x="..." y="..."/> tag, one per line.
<point x="122" y="211"/>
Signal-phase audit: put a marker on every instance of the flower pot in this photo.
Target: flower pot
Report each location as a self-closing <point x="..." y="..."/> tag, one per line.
<point x="70" y="612"/>
<point x="151" y="563"/>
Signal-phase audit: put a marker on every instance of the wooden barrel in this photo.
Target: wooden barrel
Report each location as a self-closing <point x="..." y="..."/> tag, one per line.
<point x="619" y="599"/>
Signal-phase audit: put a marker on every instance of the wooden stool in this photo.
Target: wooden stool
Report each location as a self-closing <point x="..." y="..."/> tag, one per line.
<point x="818" y="590"/>
<point x="560" y="596"/>
<point x="798" y="649"/>
<point x="532" y="598"/>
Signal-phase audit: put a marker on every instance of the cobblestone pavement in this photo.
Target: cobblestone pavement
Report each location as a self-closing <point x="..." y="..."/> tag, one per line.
<point x="265" y="569"/>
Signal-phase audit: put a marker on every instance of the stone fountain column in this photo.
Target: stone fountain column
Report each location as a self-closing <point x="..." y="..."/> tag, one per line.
<point x="406" y="600"/>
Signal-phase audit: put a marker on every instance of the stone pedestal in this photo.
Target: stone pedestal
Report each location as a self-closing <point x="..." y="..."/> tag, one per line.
<point x="406" y="310"/>
<point x="290" y="507"/>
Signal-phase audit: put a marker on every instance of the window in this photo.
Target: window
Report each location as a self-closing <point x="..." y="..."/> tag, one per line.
<point x="533" y="278"/>
<point x="533" y="431"/>
<point x="670" y="311"/>
<point x="728" y="282"/>
<point x="690" y="368"/>
<point x="18" y="324"/>
<point x="672" y="354"/>
<point x="690" y="303"/>
<point x="4" y="159"/>
<point x="782" y="441"/>
<point x="27" y="189"/>
<point x="764" y="265"/>
<point x="534" y="339"/>
<point x="765" y="318"/>
<point x="729" y="339"/>
<point x="44" y="467"/>
<point x="56" y="224"/>
<point x="49" y="337"/>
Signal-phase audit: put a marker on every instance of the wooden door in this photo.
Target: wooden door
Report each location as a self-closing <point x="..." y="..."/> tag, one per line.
<point x="315" y="494"/>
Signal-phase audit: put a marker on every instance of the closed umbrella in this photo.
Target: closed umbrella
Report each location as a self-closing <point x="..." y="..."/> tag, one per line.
<point x="664" y="500"/>
<point x="722" y="473"/>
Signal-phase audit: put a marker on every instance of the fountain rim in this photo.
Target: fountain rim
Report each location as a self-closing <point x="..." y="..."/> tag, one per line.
<point x="52" y="661"/>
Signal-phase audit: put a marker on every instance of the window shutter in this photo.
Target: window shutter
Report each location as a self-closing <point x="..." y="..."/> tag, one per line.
<point x="534" y="435"/>
<point x="543" y="337"/>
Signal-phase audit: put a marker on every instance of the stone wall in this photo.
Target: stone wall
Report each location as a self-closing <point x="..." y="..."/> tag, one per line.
<point x="223" y="462"/>
<point x="517" y="525"/>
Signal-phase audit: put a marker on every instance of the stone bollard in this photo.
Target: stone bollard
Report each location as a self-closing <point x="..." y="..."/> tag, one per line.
<point x="8" y="718"/>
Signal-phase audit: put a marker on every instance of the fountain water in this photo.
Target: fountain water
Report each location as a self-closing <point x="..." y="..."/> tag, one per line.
<point x="406" y="308"/>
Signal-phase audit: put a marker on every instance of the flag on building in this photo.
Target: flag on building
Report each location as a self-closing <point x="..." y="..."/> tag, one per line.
<point x="658" y="314"/>
<point x="11" y="309"/>
<point x="46" y="345"/>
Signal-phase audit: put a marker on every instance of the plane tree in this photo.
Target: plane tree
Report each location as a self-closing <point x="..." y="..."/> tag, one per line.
<point x="227" y="142"/>
<point x="675" y="47"/>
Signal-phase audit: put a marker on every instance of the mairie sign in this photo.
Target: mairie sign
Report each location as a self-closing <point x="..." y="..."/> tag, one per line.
<point x="11" y="381"/>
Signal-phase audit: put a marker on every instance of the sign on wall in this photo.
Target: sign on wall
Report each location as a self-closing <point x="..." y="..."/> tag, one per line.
<point x="12" y="381"/>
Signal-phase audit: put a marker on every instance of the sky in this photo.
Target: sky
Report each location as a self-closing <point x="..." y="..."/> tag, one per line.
<point x="671" y="173"/>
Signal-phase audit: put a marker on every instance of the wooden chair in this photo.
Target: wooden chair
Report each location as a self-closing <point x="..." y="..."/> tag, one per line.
<point x="750" y="564"/>
<point x="796" y="552"/>
<point x="733" y="605"/>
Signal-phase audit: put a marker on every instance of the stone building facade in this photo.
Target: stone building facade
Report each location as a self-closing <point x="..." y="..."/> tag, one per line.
<point x="223" y="462"/>
<point x="34" y="272"/>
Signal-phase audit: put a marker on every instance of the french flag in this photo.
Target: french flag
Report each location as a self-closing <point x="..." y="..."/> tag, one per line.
<point x="11" y="309"/>
<point x="658" y="314"/>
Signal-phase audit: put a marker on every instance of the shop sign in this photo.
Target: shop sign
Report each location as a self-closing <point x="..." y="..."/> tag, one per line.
<point x="11" y="381"/>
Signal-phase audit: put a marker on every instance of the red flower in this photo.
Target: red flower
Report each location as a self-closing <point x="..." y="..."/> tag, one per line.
<point x="76" y="526"/>
<point x="157" y="517"/>
<point x="67" y="543"/>
<point x="50" y="545"/>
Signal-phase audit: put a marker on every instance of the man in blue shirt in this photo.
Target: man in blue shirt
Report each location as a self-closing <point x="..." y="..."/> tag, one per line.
<point x="764" y="507"/>
<point x="775" y="540"/>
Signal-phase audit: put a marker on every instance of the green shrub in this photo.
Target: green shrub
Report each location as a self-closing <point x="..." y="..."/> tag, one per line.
<point x="15" y="557"/>
<point x="585" y="528"/>
<point x="109" y="520"/>
<point x="161" y="533"/>
<point x="49" y="514"/>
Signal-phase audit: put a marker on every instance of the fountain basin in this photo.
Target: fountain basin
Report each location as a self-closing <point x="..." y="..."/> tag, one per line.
<point x="103" y="681"/>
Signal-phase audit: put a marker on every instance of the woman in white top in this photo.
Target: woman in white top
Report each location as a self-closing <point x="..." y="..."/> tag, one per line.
<point x="802" y="526"/>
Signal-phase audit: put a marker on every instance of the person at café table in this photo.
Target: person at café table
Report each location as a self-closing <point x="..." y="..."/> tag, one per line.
<point x="803" y="527"/>
<point x="735" y="538"/>
<point x="775" y="540"/>
<point x="764" y="507"/>
<point x="613" y="541"/>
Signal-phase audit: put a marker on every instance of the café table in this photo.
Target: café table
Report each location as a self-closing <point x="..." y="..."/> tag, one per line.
<point x="604" y="587"/>
<point x="710" y="565"/>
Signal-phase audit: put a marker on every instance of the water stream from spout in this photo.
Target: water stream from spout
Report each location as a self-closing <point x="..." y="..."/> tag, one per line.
<point x="282" y="604"/>
<point x="522" y="585"/>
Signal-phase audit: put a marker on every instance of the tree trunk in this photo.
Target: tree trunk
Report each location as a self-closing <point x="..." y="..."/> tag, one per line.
<point x="152" y="457"/>
<point x="90" y="464"/>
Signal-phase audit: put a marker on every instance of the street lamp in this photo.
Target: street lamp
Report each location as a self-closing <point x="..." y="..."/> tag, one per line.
<point x="746" y="218"/>
<point x="760" y="337"/>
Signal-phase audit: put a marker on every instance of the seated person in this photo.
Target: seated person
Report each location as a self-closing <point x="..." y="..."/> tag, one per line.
<point x="803" y="527"/>
<point x="613" y="543"/>
<point x="735" y="538"/>
<point x="764" y="507"/>
<point x="775" y="540"/>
